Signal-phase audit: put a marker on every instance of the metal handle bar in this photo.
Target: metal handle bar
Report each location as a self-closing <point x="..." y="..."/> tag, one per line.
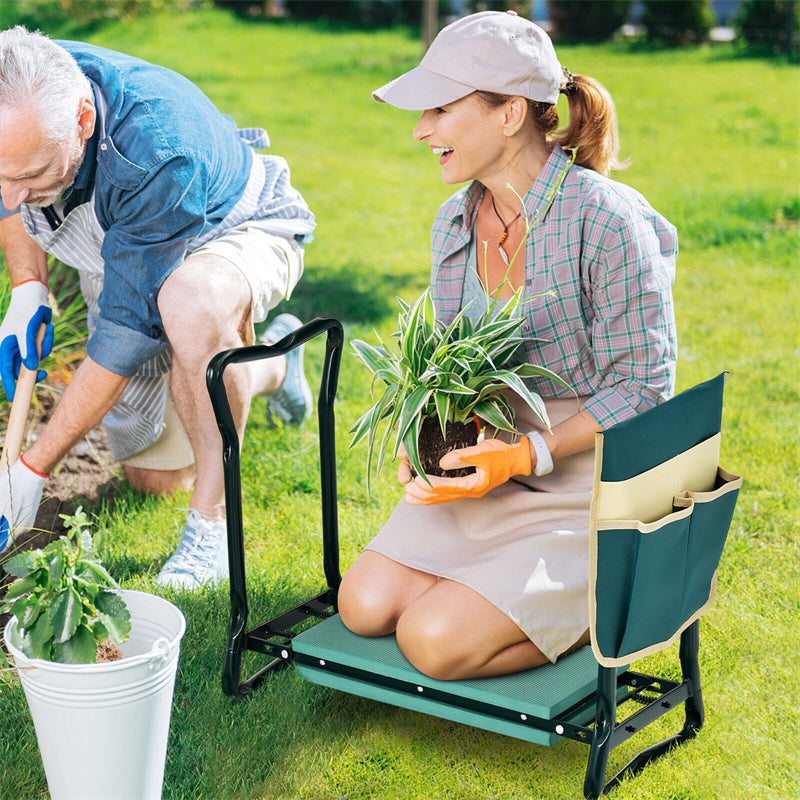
<point x="232" y="474"/>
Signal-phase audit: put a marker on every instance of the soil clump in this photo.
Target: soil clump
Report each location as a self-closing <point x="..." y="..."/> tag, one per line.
<point x="432" y="446"/>
<point x="108" y="651"/>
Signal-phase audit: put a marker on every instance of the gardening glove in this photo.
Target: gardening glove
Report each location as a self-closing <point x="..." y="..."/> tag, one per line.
<point x="20" y="494"/>
<point x="494" y="461"/>
<point x="29" y="308"/>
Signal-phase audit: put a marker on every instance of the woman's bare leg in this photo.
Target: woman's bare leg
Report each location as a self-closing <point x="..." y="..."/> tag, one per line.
<point x="376" y="591"/>
<point x="453" y="633"/>
<point x="445" y="629"/>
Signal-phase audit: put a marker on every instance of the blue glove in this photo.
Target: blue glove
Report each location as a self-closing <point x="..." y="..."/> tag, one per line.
<point x="20" y="495"/>
<point x="29" y="308"/>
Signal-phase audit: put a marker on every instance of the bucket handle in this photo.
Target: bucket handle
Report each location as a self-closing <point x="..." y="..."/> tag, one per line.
<point x="160" y="650"/>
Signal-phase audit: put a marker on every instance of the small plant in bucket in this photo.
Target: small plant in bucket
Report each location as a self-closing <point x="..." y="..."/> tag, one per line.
<point x="442" y="379"/>
<point x="67" y="605"/>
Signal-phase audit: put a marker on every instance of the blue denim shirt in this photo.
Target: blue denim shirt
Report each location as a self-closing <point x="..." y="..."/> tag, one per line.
<point x="167" y="172"/>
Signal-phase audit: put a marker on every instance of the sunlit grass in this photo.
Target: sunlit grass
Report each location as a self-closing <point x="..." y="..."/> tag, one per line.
<point x="713" y="141"/>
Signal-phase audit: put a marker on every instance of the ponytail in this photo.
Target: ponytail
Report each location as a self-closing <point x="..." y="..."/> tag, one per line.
<point x="592" y="127"/>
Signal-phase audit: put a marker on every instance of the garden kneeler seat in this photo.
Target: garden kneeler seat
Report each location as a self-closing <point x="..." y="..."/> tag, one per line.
<point x="660" y="514"/>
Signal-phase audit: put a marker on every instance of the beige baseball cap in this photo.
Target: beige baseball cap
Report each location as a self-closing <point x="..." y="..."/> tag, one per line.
<point x="491" y="51"/>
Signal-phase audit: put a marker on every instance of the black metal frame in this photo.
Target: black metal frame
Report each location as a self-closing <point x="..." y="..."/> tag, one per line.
<point x="273" y="638"/>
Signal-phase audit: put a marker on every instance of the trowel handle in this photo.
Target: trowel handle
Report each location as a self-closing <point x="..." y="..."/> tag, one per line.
<point x="18" y="416"/>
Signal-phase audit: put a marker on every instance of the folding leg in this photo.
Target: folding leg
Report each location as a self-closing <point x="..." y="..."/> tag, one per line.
<point x="608" y="734"/>
<point x="690" y="668"/>
<point x="603" y="742"/>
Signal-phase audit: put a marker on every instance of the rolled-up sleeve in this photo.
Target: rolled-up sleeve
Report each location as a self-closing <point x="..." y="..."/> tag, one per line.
<point x="121" y="349"/>
<point x="633" y="332"/>
<point x="147" y="231"/>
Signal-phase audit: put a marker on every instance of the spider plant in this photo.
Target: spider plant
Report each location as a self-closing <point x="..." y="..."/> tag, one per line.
<point x="452" y="373"/>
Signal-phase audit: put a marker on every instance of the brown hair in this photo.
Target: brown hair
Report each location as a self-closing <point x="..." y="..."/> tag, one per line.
<point x="592" y="126"/>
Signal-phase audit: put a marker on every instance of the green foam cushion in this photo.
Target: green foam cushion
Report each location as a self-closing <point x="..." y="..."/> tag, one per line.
<point x="544" y="692"/>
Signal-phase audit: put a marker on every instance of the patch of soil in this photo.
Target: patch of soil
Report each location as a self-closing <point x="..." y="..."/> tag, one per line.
<point x="87" y="474"/>
<point x="108" y="651"/>
<point x="432" y="446"/>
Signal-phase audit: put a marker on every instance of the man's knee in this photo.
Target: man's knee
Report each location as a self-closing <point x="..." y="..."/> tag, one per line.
<point x="203" y="296"/>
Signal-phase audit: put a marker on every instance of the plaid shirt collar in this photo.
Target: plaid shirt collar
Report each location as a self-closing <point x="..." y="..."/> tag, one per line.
<point x="455" y="223"/>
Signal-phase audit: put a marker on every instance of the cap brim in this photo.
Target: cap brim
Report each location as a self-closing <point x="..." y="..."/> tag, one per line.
<point x="420" y="89"/>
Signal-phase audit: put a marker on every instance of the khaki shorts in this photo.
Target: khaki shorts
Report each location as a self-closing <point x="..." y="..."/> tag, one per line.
<point x="272" y="266"/>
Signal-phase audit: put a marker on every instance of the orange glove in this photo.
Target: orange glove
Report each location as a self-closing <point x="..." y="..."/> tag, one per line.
<point x="494" y="461"/>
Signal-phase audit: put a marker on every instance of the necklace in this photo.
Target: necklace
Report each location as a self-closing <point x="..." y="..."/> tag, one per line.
<point x="502" y="252"/>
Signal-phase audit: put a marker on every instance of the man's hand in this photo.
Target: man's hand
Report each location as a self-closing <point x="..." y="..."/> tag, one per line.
<point x="20" y="495"/>
<point x="28" y="310"/>
<point x="494" y="461"/>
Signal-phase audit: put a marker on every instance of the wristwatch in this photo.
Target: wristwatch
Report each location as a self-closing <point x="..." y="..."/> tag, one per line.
<point x="544" y="461"/>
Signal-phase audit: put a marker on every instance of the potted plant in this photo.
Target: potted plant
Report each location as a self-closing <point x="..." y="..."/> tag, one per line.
<point x="68" y="607"/>
<point x="97" y="665"/>
<point x="440" y="381"/>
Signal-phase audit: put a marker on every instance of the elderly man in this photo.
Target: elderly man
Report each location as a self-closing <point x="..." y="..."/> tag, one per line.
<point x="184" y="236"/>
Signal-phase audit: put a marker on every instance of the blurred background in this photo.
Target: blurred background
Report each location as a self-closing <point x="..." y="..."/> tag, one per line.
<point x="760" y="25"/>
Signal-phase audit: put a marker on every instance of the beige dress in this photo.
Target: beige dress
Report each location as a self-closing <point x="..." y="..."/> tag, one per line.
<point x="523" y="546"/>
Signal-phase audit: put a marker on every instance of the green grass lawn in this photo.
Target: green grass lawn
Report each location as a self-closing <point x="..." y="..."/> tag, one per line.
<point x="713" y="140"/>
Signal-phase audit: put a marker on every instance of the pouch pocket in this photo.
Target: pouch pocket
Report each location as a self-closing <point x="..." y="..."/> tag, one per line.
<point x="653" y="579"/>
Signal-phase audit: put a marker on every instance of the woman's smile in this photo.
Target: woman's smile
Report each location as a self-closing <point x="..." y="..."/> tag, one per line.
<point x="471" y="130"/>
<point x="443" y="152"/>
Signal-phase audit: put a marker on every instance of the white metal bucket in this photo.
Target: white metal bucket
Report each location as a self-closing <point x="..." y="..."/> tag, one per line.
<point x="103" y="728"/>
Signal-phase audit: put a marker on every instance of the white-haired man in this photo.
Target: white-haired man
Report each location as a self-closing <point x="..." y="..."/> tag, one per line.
<point x="184" y="236"/>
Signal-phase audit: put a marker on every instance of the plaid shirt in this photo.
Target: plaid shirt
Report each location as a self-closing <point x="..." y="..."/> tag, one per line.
<point x="599" y="268"/>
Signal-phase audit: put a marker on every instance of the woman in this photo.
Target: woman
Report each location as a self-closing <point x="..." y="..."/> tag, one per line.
<point x="487" y="575"/>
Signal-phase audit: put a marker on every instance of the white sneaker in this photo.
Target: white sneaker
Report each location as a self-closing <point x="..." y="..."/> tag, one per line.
<point x="293" y="402"/>
<point x="201" y="557"/>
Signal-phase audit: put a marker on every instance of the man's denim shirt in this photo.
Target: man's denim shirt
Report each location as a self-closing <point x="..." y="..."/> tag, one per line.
<point x="169" y="169"/>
